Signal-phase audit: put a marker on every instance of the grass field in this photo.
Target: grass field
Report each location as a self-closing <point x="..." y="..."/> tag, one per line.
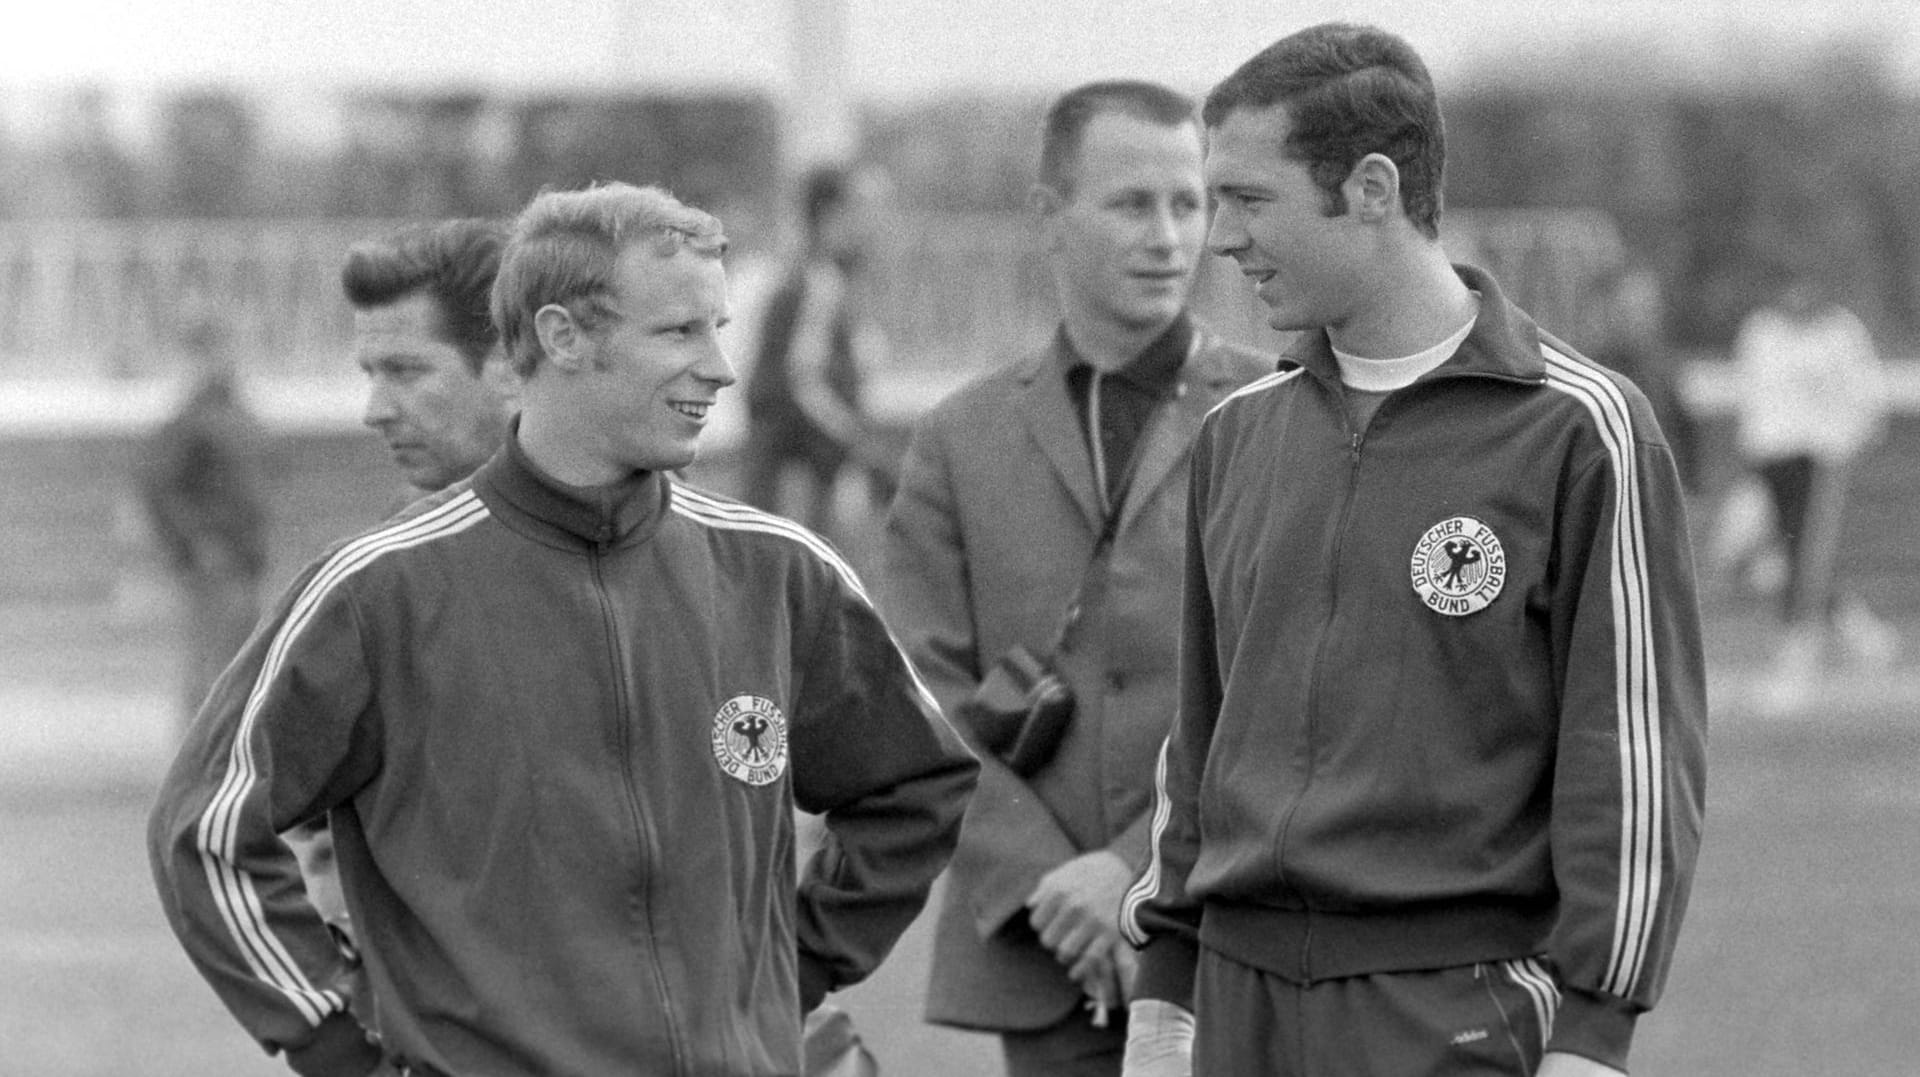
<point x="1800" y="955"/>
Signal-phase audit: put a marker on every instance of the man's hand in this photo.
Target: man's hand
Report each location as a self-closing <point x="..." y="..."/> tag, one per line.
<point x="1562" y="1064"/>
<point x="1159" y="1040"/>
<point x="1075" y="907"/>
<point x="1105" y="975"/>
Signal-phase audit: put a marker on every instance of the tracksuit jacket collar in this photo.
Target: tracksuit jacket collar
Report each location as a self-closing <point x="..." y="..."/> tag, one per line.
<point x="616" y="514"/>
<point x="1504" y="343"/>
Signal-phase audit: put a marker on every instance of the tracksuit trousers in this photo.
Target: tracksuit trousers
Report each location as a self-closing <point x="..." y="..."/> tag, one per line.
<point x="1480" y="1020"/>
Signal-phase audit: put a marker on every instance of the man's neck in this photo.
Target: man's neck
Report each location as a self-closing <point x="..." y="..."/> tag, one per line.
<point x="552" y="447"/>
<point x="1107" y="345"/>
<point x="1407" y="310"/>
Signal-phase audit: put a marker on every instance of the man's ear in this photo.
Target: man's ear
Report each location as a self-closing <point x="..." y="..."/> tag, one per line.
<point x="1045" y="201"/>
<point x="1373" y="188"/>
<point x="562" y="339"/>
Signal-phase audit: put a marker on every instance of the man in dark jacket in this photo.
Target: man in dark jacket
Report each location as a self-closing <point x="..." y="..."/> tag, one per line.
<point x="439" y="390"/>
<point x="560" y="715"/>
<point x="1057" y="483"/>
<point x="1432" y="800"/>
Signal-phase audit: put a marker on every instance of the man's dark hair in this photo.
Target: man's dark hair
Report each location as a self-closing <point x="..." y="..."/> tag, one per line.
<point x="1348" y="91"/>
<point x="452" y="261"/>
<point x="1069" y="115"/>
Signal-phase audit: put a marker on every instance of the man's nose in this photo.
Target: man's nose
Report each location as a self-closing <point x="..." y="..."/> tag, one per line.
<point x="380" y="409"/>
<point x="1226" y="232"/>
<point x="1164" y="227"/>
<point x="714" y="366"/>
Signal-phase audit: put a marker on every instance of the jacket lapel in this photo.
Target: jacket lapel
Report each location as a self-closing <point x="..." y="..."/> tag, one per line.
<point x="1204" y="382"/>
<point x="1045" y="402"/>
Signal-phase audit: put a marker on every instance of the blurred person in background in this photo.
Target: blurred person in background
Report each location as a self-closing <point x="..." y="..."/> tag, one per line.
<point x="818" y="339"/>
<point x="439" y="391"/>
<point x="1431" y="800"/>
<point x="1048" y="493"/>
<point x="1812" y="400"/>
<point x="439" y="388"/>
<point x="559" y="716"/>
<point x="202" y="485"/>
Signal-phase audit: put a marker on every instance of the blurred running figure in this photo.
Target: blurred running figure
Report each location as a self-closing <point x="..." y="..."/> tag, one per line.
<point x="561" y="715"/>
<point x="1432" y="798"/>
<point x="818" y="340"/>
<point x="202" y="484"/>
<point x="1812" y="401"/>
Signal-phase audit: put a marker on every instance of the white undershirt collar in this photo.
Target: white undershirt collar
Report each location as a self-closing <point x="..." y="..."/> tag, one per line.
<point x="1386" y="375"/>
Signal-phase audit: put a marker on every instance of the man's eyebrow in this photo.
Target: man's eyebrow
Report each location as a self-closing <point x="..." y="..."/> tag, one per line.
<point x="394" y="359"/>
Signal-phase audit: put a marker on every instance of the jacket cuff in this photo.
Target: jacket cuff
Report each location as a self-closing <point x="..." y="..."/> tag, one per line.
<point x="340" y="1047"/>
<point x="816" y="979"/>
<point x="1595" y="1026"/>
<point x="1166" y="971"/>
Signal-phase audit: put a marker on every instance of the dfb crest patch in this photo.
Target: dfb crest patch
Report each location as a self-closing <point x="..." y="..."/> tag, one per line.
<point x="1459" y="566"/>
<point x="750" y="739"/>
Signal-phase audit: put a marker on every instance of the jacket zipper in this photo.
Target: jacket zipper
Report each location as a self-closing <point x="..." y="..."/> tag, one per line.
<point x="643" y="828"/>
<point x="1355" y="439"/>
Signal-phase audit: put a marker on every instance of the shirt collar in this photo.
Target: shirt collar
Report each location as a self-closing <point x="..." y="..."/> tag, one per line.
<point x="1155" y="370"/>
<point x="1503" y="343"/>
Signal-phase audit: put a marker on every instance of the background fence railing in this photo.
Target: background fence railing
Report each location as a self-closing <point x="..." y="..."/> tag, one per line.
<point x="104" y="300"/>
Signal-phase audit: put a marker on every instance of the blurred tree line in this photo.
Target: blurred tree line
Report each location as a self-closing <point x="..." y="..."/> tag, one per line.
<point x="1707" y="182"/>
<point x="388" y="155"/>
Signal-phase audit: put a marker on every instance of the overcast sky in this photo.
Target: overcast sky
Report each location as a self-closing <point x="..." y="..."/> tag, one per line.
<point x="896" y="47"/>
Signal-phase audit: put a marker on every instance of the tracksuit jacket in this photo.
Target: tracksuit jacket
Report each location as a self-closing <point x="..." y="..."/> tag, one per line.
<point x="560" y="734"/>
<point x="1442" y="695"/>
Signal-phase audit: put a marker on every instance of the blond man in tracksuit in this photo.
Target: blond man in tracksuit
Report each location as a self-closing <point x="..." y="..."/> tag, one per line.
<point x="1432" y="800"/>
<point x="559" y="716"/>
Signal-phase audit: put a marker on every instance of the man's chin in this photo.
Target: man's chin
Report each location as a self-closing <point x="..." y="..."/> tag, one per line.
<point x="1152" y="316"/>
<point x="673" y="461"/>
<point x="423" y="476"/>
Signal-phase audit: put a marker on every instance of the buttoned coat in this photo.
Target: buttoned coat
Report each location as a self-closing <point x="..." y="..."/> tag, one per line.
<point x="993" y="529"/>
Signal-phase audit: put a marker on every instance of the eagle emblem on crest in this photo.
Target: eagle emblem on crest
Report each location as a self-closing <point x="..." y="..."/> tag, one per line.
<point x="750" y="739"/>
<point x="1459" y="566"/>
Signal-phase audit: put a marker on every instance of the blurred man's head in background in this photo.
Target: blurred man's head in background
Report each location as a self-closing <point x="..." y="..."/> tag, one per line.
<point x="1121" y="202"/>
<point x="439" y="387"/>
<point x="845" y="208"/>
